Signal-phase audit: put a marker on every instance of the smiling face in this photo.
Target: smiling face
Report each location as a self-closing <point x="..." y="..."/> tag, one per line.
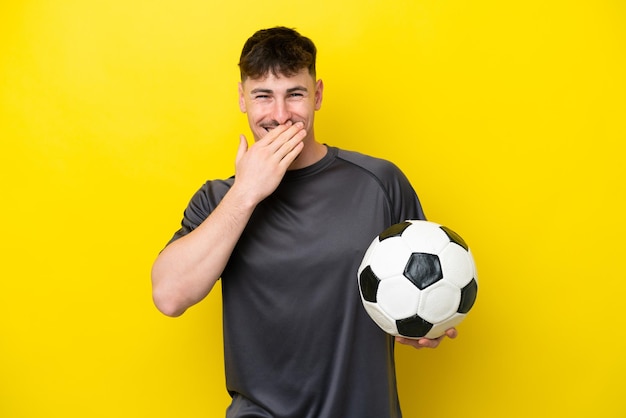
<point x="276" y="99"/>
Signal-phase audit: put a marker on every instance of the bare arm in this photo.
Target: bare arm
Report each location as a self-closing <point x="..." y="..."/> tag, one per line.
<point x="187" y="269"/>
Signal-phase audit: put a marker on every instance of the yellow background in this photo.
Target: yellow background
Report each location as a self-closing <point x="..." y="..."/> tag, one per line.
<point x="507" y="116"/>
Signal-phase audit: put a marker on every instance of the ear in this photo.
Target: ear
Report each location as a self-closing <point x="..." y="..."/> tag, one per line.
<point x="319" y="93"/>
<point x="242" y="100"/>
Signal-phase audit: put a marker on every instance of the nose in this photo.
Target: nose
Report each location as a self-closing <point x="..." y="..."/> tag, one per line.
<point x="281" y="112"/>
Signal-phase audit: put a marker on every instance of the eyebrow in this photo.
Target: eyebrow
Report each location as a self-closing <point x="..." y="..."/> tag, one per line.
<point x="289" y="90"/>
<point x="297" y="88"/>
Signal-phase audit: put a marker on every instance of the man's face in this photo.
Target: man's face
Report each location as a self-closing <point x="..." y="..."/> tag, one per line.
<point x="272" y="101"/>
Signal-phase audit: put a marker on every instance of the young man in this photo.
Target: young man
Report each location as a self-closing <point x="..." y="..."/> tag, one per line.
<point x="286" y="234"/>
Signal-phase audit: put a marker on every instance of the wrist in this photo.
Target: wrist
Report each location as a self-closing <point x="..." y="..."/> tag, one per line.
<point x="242" y="198"/>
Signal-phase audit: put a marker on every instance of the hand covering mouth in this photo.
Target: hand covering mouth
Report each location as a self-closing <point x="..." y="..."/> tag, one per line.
<point x="271" y="125"/>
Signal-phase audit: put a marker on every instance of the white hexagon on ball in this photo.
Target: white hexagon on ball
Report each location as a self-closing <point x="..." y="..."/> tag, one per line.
<point x="457" y="265"/>
<point x="439" y="301"/>
<point x="425" y="237"/>
<point x="398" y="297"/>
<point x="389" y="257"/>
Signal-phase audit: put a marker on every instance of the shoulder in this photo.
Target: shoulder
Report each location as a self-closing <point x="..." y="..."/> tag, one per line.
<point x="202" y="203"/>
<point x="216" y="189"/>
<point x="206" y="198"/>
<point x="396" y="187"/>
<point x="211" y="193"/>
<point x="381" y="169"/>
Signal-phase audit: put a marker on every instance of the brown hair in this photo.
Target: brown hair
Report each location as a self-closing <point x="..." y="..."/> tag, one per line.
<point x="281" y="50"/>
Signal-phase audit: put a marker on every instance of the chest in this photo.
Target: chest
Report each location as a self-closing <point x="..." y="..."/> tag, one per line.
<point x="304" y="224"/>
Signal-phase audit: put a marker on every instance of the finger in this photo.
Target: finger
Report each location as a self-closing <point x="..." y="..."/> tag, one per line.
<point x="273" y="134"/>
<point x="292" y="154"/>
<point x="282" y="134"/>
<point x="292" y="148"/>
<point x="428" y="343"/>
<point x="452" y="333"/>
<point x="409" y="341"/>
<point x="288" y="141"/>
<point x="243" y="147"/>
<point x="420" y="343"/>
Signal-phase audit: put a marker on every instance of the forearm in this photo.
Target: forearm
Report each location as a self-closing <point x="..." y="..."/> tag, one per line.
<point x="187" y="269"/>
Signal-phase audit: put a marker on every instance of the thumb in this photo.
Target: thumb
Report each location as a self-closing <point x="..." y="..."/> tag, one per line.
<point x="243" y="147"/>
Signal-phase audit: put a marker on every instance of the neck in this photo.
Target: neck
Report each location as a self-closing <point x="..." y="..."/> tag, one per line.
<point x="312" y="152"/>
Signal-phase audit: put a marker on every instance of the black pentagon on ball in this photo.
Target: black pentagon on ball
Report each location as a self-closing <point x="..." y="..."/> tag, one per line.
<point x="423" y="270"/>
<point x="413" y="326"/>
<point x="369" y="284"/>
<point x="454" y="237"/>
<point x="394" y="230"/>
<point x="468" y="297"/>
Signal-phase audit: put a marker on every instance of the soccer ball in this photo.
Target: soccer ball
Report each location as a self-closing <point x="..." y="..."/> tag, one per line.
<point x="417" y="279"/>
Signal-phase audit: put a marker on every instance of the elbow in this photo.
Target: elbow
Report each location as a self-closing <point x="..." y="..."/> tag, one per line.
<point x="166" y="305"/>
<point x="165" y="299"/>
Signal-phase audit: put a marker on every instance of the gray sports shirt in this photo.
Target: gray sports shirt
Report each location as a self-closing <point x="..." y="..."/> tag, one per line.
<point x="297" y="341"/>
